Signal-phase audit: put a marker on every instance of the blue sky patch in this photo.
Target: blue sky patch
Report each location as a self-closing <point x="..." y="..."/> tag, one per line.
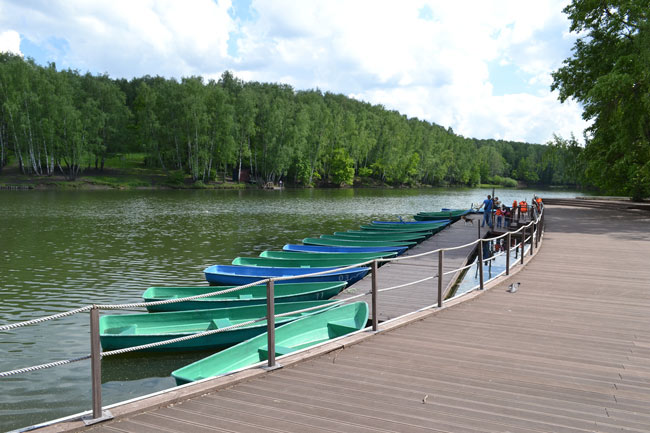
<point x="508" y="79"/>
<point x="425" y="13"/>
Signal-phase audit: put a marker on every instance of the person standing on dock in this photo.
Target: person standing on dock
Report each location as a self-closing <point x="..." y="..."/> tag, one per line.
<point x="487" y="211"/>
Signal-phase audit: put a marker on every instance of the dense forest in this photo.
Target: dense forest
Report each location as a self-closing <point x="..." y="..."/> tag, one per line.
<point x="608" y="73"/>
<point x="63" y="122"/>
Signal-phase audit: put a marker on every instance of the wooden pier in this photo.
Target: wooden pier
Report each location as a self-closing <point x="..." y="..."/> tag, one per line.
<point x="410" y="298"/>
<point x="568" y="352"/>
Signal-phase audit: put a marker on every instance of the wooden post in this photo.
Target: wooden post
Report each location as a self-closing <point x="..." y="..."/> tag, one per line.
<point x="480" y="263"/>
<point x="523" y="243"/>
<point x="508" y="240"/>
<point x="375" y="320"/>
<point x="479" y="229"/>
<point x="532" y="238"/>
<point x="440" y="258"/>
<point x="96" y="362"/>
<point x="270" y="322"/>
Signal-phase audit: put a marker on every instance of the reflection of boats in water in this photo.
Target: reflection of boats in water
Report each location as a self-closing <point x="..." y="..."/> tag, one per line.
<point x="137" y="366"/>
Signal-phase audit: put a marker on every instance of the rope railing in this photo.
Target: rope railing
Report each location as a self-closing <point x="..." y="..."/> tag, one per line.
<point x="44" y="319"/>
<point x="533" y="238"/>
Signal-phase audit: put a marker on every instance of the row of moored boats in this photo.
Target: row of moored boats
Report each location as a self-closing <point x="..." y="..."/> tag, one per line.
<point x="247" y="345"/>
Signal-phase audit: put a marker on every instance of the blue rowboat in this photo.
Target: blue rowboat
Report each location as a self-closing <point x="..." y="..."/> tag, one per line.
<point x="377" y="235"/>
<point x="222" y="275"/>
<point x="332" y="249"/>
<point x="296" y="335"/>
<point x="254" y="295"/>
<point x="118" y="331"/>
<point x="324" y="241"/>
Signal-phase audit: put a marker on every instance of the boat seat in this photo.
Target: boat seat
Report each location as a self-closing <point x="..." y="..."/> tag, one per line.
<point x="342" y="327"/>
<point x="245" y="296"/>
<point x="279" y="351"/>
<point x="219" y="323"/>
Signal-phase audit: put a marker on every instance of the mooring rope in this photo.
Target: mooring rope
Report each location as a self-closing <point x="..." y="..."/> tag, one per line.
<point x="44" y="319"/>
<point x="42" y="366"/>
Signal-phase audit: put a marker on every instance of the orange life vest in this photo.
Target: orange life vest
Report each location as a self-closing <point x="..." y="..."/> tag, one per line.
<point x="499" y="212"/>
<point x="523" y="206"/>
<point x="514" y="205"/>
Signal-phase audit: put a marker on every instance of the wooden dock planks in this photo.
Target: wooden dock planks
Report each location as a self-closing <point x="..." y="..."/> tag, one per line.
<point x="401" y="301"/>
<point x="568" y="352"/>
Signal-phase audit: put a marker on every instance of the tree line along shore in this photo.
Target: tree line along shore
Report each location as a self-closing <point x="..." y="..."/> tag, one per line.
<point x="86" y="128"/>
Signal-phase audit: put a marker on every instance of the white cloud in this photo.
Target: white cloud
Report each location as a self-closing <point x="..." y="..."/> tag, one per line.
<point x="126" y="38"/>
<point x="432" y="66"/>
<point x="435" y="68"/>
<point x="10" y="42"/>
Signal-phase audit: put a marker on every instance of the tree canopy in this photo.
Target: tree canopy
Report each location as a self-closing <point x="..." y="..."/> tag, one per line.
<point x="63" y="121"/>
<point x="609" y="74"/>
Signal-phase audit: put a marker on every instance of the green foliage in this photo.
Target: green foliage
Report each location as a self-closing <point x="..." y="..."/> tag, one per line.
<point x="506" y="182"/>
<point x="122" y="182"/>
<point x="608" y="74"/>
<point x="175" y="178"/>
<point x="62" y="121"/>
<point x="342" y="168"/>
<point x="365" y="171"/>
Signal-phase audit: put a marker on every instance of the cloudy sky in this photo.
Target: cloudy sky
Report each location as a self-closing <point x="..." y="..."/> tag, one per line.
<point x="480" y="67"/>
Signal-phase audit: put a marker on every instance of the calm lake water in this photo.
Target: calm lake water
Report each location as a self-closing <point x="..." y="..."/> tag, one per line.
<point x="60" y="250"/>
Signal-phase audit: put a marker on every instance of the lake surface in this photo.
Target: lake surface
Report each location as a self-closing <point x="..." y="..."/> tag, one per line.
<point x="60" y="250"/>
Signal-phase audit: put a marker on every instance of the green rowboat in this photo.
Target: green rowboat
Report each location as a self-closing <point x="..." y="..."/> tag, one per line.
<point x="313" y="262"/>
<point x="297" y="335"/>
<point x="290" y="292"/>
<point x="372" y="236"/>
<point x="333" y="241"/>
<point x="430" y="225"/>
<point x="127" y="330"/>
<point x="453" y="215"/>
<point x="362" y="257"/>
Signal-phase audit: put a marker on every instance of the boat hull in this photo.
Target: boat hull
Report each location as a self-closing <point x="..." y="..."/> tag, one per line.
<point x="224" y="275"/>
<point x="254" y="295"/>
<point x="376" y="236"/>
<point x="297" y="335"/>
<point x="342" y="249"/>
<point x="354" y="243"/>
<point x="297" y="263"/>
<point x="129" y="330"/>
<point x="326" y="255"/>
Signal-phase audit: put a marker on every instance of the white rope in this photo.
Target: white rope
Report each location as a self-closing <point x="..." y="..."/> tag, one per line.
<point x="44" y="319"/>
<point x="172" y="301"/>
<point x="42" y="366"/>
<point x="459" y="269"/>
<point x="387" y="289"/>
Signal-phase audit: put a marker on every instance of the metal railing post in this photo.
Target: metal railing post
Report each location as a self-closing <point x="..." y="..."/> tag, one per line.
<point x="523" y="243"/>
<point x="440" y="258"/>
<point x="508" y="240"/>
<point x="480" y="263"/>
<point x="95" y="363"/>
<point x="532" y="239"/>
<point x="270" y="322"/>
<point x="375" y="321"/>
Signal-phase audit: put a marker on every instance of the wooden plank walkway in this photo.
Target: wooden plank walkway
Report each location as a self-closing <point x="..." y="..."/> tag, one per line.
<point x="568" y="352"/>
<point x="395" y="303"/>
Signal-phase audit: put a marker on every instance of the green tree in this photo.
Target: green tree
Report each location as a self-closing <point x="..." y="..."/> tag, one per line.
<point x="609" y="74"/>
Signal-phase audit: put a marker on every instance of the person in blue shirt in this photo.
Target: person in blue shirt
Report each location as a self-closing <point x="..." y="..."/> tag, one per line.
<point x="487" y="211"/>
